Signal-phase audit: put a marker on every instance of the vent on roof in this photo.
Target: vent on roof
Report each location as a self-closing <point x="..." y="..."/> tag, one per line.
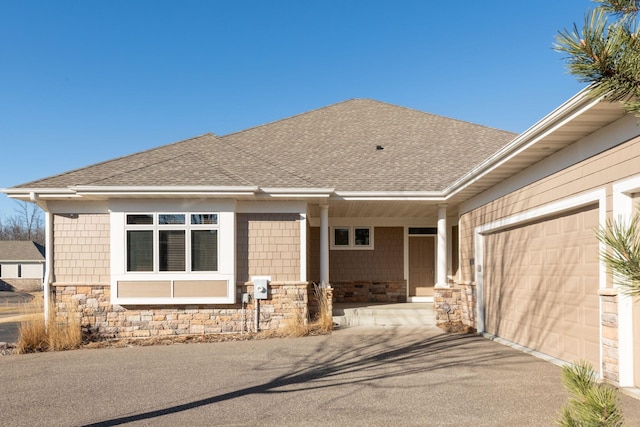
<point x="379" y="147"/>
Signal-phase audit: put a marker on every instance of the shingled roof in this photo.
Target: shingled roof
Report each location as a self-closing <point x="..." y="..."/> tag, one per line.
<point x="21" y="250"/>
<point x="356" y="145"/>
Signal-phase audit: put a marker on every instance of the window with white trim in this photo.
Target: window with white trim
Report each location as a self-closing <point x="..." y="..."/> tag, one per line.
<point x="171" y="242"/>
<point x="351" y="237"/>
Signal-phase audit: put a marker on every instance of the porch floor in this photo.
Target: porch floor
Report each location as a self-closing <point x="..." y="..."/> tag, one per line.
<point x="384" y="314"/>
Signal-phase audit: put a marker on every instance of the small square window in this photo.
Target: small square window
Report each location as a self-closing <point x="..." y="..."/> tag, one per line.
<point x="362" y="236"/>
<point x="139" y="219"/>
<point x="341" y="236"/>
<point x="171" y="219"/>
<point x="199" y="219"/>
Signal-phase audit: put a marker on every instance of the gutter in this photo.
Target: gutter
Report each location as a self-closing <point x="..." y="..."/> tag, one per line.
<point x="572" y="108"/>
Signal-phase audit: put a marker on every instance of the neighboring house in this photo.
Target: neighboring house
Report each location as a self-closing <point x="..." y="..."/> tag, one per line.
<point x="383" y="203"/>
<point x="21" y="265"/>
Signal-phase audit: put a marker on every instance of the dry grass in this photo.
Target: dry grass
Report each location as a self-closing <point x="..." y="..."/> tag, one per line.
<point x="295" y="326"/>
<point x="324" y="320"/>
<point x="66" y="335"/>
<point x="34" y="336"/>
<point x="456" y="328"/>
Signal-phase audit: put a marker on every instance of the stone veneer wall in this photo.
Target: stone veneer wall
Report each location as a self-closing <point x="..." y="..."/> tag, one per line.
<point x="91" y="303"/>
<point x="609" y="338"/>
<point x="366" y="291"/>
<point x="461" y="297"/>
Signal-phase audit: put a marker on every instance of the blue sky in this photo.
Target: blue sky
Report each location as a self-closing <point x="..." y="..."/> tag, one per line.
<point x="87" y="81"/>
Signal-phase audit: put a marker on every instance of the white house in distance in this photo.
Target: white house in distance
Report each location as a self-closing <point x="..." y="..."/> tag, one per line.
<point x="22" y="265"/>
<point x="382" y="203"/>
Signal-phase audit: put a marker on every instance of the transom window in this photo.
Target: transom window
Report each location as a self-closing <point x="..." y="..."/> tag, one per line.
<point x="171" y="242"/>
<point x="348" y="237"/>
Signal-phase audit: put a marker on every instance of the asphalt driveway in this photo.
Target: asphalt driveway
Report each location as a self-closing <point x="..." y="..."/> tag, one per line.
<point x="356" y="377"/>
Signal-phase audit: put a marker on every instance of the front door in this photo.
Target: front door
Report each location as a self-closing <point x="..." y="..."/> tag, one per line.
<point x="421" y="265"/>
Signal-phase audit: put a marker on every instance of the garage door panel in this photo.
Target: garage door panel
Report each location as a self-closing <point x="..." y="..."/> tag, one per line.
<point x="541" y="283"/>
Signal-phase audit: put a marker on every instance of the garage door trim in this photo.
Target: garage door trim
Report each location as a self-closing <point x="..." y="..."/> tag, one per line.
<point x="552" y="209"/>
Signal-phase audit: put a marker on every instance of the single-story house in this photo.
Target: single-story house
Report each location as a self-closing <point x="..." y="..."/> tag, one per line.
<point x="21" y="265"/>
<point x="382" y="203"/>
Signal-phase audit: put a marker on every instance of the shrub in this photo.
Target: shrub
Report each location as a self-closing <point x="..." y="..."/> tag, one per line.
<point x="591" y="403"/>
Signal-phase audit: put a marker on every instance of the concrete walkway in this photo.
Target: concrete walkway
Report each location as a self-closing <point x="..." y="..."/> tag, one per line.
<point x="362" y="376"/>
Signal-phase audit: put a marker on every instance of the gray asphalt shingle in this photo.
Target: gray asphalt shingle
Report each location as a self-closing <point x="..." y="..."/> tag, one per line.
<point x="332" y="147"/>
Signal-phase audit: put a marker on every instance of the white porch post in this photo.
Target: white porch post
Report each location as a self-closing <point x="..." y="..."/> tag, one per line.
<point x="441" y="279"/>
<point x="324" y="245"/>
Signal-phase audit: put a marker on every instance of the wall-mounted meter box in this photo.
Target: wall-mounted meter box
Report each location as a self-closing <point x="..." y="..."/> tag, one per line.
<point x="260" y="288"/>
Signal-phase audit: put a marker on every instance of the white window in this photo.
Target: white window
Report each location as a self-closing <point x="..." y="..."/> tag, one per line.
<point x="171" y="242"/>
<point x="351" y="237"/>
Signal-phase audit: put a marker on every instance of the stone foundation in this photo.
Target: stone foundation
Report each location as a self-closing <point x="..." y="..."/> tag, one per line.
<point x="367" y="291"/>
<point x="461" y="298"/>
<point x="101" y="319"/>
<point x="609" y="339"/>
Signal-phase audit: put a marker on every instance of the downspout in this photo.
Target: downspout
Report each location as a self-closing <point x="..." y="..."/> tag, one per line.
<point x="48" y="254"/>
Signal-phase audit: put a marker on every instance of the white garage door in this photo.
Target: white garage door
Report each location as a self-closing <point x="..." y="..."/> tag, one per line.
<point x="541" y="286"/>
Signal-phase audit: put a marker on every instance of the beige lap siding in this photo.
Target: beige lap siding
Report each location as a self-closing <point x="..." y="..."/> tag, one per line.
<point x="81" y="248"/>
<point x="268" y="245"/>
<point x="384" y="263"/>
<point x="599" y="171"/>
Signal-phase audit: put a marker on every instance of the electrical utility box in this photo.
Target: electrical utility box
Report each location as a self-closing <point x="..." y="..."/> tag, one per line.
<point x="260" y="288"/>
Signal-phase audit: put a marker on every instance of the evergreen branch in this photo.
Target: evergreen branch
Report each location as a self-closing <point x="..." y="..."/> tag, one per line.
<point x="622" y="253"/>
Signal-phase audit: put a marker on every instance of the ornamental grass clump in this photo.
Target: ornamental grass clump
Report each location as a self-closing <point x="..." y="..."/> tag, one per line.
<point x="591" y="404"/>
<point x="36" y="336"/>
<point x="295" y="326"/>
<point x="324" y="319"/>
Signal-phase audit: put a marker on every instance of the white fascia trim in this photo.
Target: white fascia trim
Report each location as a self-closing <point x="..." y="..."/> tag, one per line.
<point x="623" y="211"/>
<point x="298" y="192"/>
<point x="578" y="201"/>
<point x="27" y="194"/>
<point x="568" y="111"/>
<point x="435" y="196"/>
<point x="89" y="190"/>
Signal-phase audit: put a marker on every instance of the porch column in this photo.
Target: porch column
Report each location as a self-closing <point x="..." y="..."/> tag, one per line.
<point x="324" y="245"/>
<point x="441" y="277"/>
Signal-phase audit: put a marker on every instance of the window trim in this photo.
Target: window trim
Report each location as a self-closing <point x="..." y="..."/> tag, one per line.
<point x="352" y="246"/>
<point x="156" y="228"/>
<point x="226" y="250"/>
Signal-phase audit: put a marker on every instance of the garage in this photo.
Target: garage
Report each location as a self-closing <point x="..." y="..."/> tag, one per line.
<point x="541" y="284"/>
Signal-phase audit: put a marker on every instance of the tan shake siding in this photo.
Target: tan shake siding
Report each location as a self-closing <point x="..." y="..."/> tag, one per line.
<point x="383" y="263"/>
<point x="268" y="245"/>
<point x="597" y="172"/>
<point x="81" y="248"/>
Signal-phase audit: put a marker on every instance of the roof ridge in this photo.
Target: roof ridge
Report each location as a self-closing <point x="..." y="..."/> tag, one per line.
<point x="118" y="158"/>
<point x="438" y="115"/>
<point x="289" y="117"/>
<point x="364" y="99"/>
